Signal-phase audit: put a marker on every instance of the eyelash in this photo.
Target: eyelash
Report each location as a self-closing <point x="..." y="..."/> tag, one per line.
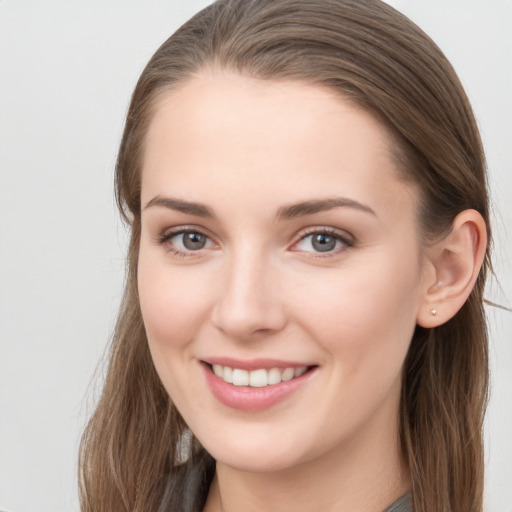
<point x="346" y="240"/>
<point x="165" y="239"/>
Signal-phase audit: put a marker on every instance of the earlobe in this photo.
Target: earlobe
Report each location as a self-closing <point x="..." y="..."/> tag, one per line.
<point x="456" y="261"/>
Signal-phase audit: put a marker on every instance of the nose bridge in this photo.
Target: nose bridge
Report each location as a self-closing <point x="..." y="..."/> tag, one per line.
<point x="248" y="300"/>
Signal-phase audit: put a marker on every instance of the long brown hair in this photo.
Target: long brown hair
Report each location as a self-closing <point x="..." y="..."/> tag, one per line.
<point x="132" y="450"/>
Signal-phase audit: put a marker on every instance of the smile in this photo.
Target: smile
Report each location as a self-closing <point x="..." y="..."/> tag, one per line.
<point x="258" y="378"/>
<point x="256" y="385"/>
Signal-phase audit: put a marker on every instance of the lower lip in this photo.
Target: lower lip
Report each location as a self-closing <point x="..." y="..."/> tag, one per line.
<point x="247" y="398"/>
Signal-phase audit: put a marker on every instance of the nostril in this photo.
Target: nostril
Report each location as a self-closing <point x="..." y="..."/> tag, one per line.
<point x="243" y="320"/>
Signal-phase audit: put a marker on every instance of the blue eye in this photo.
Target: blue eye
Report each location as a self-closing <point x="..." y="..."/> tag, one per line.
<point x="323" y="242"/>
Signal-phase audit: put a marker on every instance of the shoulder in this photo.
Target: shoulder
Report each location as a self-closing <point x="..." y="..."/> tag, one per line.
<point x="403" y="504"/>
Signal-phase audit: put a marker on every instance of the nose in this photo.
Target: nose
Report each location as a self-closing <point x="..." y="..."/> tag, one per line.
<point x="249" y="301"/>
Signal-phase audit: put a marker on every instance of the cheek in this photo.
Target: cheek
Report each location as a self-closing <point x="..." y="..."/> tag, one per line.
<point x="364" y="316"/>
<point x="173" y="301"/>
<point x="173" y="305"/>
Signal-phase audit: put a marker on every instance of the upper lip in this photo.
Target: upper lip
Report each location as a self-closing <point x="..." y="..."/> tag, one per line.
<point x="254" y="364"/>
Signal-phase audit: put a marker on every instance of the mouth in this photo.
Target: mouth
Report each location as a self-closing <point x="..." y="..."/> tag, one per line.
<point x="255" y="385"/>
<point x="258" y="378"/>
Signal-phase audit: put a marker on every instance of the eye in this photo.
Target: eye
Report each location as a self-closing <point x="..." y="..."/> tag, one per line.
<point x="184" y="242"/>
<point x="323" y="241"/>
<point x="190" y="241"/>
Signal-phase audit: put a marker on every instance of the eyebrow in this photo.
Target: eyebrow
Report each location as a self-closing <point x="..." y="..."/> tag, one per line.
<point x="286" y="212"/>
<point x="320" y="205"/>
<point x="179" y="205"/>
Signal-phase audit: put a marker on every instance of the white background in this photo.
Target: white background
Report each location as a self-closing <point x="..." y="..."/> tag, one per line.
<point x="67" y="69"/>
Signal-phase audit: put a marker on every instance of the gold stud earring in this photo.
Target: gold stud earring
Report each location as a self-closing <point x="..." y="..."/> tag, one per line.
<point x="433" y="312"/>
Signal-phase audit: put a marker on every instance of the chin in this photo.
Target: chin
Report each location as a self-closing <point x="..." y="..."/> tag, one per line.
<point x="257" y="455"/>
<point x="257" y="463"/>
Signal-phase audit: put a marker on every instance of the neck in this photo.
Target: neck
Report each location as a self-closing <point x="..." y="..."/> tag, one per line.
<point x="366" y="474"/>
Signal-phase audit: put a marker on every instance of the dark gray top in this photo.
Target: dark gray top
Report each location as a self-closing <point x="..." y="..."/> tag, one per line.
<point x="192" y="480"/>
<point x="401" y="505"/>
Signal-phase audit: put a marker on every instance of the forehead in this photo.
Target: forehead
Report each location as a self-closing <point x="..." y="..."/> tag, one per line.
<point x="261" y="109"/>
<point x="263" y="135"/>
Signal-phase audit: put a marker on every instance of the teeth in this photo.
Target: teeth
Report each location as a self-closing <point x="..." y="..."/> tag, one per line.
<point x="274" y="376"/>
<point x="257" y="378"/>
<point x="240" y="377"/>
<point x="299" y="371"/>
<point x="228" y="374"/>
<point x="288" y="374"/>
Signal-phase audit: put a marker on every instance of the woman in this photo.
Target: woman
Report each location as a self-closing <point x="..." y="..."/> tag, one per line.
<point x="303" y="324"/>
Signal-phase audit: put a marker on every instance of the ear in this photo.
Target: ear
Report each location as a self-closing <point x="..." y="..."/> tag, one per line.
<point x="455" y="262"/>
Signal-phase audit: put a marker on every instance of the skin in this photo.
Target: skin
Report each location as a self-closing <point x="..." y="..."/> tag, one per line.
<point x="246" y="148"/>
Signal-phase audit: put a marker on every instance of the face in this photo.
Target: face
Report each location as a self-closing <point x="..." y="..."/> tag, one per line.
<point x="280" y="269"/>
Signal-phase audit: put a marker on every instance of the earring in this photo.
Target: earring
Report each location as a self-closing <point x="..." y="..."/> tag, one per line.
<point x="433" y="312"/>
